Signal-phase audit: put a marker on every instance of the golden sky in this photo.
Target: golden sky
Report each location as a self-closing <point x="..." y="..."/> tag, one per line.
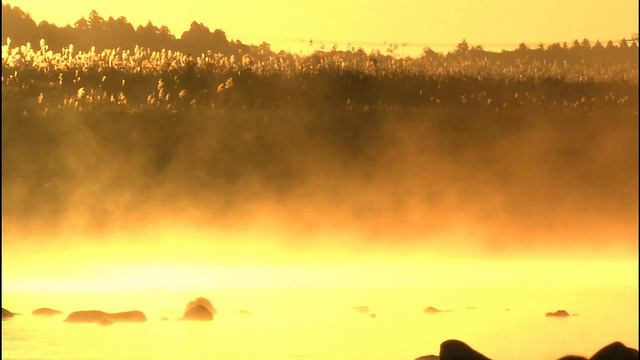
<point x="290" y="24"/>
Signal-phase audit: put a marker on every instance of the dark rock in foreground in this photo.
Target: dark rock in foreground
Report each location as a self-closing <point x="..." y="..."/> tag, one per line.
<point x="46" y="312"/>
<point x="458" y="350"/>
<point x="103" y="318"/>
<point x="6" y="314"/>
<point x="559" y="313"/>
<point x="616" y="351"/>
<point x="198" y="312"/>
<point x="613" y="351"/>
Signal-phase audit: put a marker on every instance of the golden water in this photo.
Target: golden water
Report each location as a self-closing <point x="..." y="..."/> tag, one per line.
<point x="317" y="323"/>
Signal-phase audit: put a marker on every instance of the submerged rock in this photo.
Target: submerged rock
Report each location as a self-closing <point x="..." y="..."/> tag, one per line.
<point x="458" y="350"/>
<point x="573" y="357"/>
<point x="432" y="310"/>
<point x="6" y="314"/>
<point x="616" y="351"/>
<point x="559" y="313"/>
<point x="46" y="312"/>
<point x="198" y="312"/>
<point x="361" y="309"/>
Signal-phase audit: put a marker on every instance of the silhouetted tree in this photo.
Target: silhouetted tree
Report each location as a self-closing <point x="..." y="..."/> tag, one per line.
<point x="96" y="22"/>
<point x="155" y="38"/>
<point x="19" y="26"/>
<point x="51" y="34"/>
<point x="598" y="46"/>
<point x="554" y="48"/>
<point x="81" y="24"/>
<point x="623" y="44"/>
<point x="462" y="50"/>
<point x="576" y="45"/>
<point x="198" y="39"/>
<point x="121" y="33"/>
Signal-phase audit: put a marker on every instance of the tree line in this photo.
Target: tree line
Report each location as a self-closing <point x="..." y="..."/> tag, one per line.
<point x="113" y="33"/>
<point x="100" y="33"/>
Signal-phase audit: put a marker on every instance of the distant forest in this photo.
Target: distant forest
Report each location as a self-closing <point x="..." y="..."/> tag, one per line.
<point x="101" y="34"/>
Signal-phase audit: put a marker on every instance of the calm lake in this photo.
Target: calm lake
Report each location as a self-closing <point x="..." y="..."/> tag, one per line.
<point x="502" y="322"/>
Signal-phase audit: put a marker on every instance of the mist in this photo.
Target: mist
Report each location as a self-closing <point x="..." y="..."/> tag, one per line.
<point x="517" y="181"/>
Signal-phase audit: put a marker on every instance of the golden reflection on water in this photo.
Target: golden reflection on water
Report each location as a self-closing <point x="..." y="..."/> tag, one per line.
<point x="296" y="300"/>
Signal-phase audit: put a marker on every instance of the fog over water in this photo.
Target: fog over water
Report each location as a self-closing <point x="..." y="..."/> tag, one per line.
<point x="299" y="198"/>
<point x="534" y="180"/>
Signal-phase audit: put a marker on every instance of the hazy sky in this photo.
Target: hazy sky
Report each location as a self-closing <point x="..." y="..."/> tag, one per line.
<point x="438" y="24"/>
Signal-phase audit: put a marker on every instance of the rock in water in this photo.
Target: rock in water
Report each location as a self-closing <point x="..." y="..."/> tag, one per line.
<point x="103" y="318"/>
<point x="128" y="316"/>
<point x="105" y="322"/>
<point x="89" y="316"/>
<point x="429" y="357"/>
<point x="46" y="312"/>
<point x="361" y="309"/>
<point x="573" y="357"/>
<point x="457" y="350"/>
<point x="616" y="351"/>
<point x="6" y="314"/>
<point x="432" y="310"/>
<point x="559" y="313"/>
<point x="201" y="301"/>
<point x="198" y="312"/>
